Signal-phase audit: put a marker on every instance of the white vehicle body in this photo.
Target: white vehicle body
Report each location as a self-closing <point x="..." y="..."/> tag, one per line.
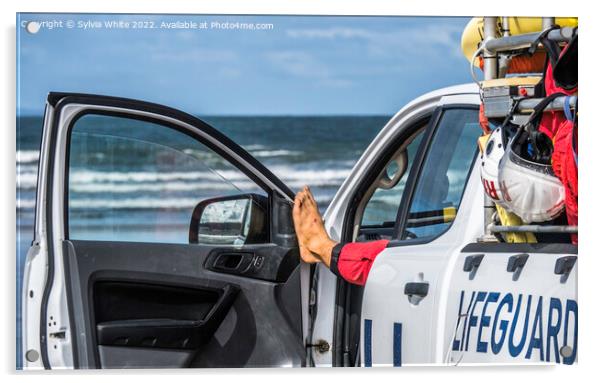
<point x="474" y="303"/>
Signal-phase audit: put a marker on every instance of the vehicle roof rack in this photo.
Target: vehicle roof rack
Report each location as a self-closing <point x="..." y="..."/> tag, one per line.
<point x="526" y="105"/>
<point x="494" y="67"/>
<point x="534" y="229"/>
<point x="511" y="43"/>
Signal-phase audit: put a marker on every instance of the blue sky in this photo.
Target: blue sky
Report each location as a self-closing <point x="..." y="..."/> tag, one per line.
<point x="303" y="66"/>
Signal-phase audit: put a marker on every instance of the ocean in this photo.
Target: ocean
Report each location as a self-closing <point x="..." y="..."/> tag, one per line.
<point x="317" y="151"/>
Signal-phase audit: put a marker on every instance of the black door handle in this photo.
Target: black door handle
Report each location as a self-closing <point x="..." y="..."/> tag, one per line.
<point x="419" y="289"/>
<point x="233" y="262"/>
<point x="167" y="333"/>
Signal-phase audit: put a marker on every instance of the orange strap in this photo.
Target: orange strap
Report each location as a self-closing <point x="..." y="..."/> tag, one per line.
<point x="524" y="63"/>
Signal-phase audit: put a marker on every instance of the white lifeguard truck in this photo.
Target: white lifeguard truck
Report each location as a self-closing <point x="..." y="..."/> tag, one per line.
<point x="445" y="290"/>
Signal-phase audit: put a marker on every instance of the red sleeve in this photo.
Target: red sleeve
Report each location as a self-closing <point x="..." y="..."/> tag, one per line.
<point x="352" y="261"/>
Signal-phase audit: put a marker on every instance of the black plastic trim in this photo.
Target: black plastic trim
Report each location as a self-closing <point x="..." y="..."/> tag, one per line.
<point x="564" y="265"/>
<point x="472" y="262"/>
<point x="334" y="258"/>
<point x="411" y="241"/>
<point x="516" y="262"/>
<point x="415" y="171"/>
<point x="167" y="333"/>
<point x="139" y="277"/>
<point x="499" y="247"/>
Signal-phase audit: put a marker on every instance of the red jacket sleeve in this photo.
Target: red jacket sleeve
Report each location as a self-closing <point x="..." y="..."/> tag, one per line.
<point x="353" y="261"/>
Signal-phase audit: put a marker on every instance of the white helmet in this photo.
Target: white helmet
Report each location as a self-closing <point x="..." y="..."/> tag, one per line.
<point x="490" y="160"/>
<point x="529" y="189"/>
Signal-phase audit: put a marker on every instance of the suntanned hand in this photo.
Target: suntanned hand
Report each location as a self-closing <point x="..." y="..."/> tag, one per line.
<point x="314" y="243"/>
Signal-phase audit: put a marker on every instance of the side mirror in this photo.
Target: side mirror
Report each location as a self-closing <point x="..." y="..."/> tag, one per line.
<point x="232" y="220"/>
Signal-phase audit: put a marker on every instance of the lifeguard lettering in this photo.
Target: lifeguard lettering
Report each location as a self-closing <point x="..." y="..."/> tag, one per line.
<point x="525" y="326"/>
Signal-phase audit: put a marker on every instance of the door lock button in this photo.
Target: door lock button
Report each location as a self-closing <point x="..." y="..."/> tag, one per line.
<point x="258" y="262"/>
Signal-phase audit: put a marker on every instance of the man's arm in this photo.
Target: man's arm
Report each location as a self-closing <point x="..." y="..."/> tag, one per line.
<point x="353" y="261"/>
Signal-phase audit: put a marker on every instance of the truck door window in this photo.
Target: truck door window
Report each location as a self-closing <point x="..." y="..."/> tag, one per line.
<point x="136" y="181"/>
<point x="444" y="173"/>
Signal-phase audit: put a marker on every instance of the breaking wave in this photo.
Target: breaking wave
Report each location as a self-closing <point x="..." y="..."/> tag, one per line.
<point x="27" y="156"/>
<point x="176" y="190"/>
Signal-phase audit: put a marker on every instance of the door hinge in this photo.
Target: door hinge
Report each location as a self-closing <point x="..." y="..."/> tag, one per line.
<point x="322" y="346"/>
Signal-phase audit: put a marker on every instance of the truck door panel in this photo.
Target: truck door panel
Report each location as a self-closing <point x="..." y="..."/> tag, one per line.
<point x="158" y="305"/>
<point x="519" y="305"/>
<point x="125" y="286"/>
<point x="406" y="284"/>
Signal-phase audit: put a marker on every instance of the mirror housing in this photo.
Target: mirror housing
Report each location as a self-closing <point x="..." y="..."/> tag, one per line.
<point x="232" y="220"/>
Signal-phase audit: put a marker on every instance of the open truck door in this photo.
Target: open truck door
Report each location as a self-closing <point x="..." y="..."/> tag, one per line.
<point x="137" y="283"/>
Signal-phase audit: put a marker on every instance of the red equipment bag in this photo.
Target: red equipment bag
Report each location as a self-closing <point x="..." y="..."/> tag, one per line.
<point x="561" y="126"/>
<point x="564" y="163"/>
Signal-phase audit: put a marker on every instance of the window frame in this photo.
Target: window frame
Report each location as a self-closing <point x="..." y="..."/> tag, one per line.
<point x="421" y="121"/>
<point x="346" y="292"/>
<point x="416" y="130"/>
<point x="164" y="124"/>
<point x="415" y="174"/>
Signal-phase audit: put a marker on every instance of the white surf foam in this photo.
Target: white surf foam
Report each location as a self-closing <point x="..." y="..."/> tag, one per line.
<point x="157" y="187"/>
<point x="27" y="156"/>
<point x="27" y="178"/>
<point x="275" y="153"/>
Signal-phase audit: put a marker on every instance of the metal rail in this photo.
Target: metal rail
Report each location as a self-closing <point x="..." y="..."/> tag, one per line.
<point x="504" y="60"/>
<point x="547" y="22"/>
<point x="510" y="43"/>
<point x="527" y="105"/>
<point x="495" y="66"/>
<point x="533" y="229"/>
<point x="490" y="72"/>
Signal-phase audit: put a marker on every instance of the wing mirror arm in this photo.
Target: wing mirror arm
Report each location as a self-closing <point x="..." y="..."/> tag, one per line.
<point x="282" y="226"/>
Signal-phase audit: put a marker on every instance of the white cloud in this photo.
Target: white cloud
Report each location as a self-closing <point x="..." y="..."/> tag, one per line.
<point x="230" y="73"/>
<point x="429" y="40"/>
<point x="302" y="64"/>
<point x="298" y="63"/>
<point x="388" y="51"/>
<point x="329" y="33"/>
<point x="194" y="55"/>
